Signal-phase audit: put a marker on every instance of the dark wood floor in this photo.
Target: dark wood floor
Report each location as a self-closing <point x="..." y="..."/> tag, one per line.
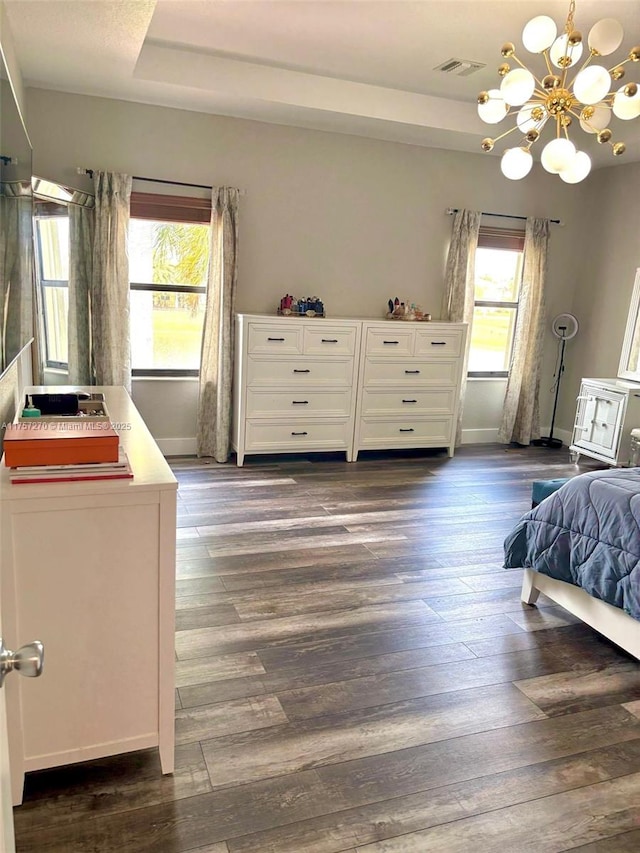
<point x="356" y="672"/>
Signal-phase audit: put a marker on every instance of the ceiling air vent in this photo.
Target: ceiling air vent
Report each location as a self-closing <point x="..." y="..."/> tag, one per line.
<point x="460" y="67"/>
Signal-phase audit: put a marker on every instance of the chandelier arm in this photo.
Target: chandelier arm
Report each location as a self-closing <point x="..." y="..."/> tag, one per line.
<point x="583" y="120"/>
<point x="522" y="65"/>
<point x="618" y="64"/>
<point x="587" y="60"/>
<point x="506" y="133"/>
<point x="545" y="53"/>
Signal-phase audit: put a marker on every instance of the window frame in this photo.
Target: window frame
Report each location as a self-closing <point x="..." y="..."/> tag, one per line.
<point x="48" y="282"/>
<point x="186" y="210"/>
<point x="505" y="239"/>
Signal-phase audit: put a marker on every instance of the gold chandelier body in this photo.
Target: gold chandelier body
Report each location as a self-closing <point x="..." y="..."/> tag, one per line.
<point x="555" y="100"/>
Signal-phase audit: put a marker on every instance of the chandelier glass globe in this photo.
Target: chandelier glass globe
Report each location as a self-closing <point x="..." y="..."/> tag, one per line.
<point x="516" y="163"/>
<point x="592" y="84"/>
<point x="595" y="117"/>
<point x="606" y="36"/>
<point x="494" y="108"/>
<point x="517" y="86"/>
<point x="563" y="54"/>
<point x="557" y="155"/>
<point x="625" y="104"/>
<point x="578" y="169"/>
<point x="539" y="34"/>
<point x="566" y="93"/>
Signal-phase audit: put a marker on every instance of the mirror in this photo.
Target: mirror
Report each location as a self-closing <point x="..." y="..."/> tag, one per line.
<point x="630" y="359"/>
<point x="63" y="222"/>
<point x="16" y="227"/>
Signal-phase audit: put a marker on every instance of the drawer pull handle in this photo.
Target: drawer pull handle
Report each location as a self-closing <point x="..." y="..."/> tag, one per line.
<point x="411" y="429"/>
<point x="390" y="342"/>
<point x="299" y="433"/>
<point x="329" y="340"/>
<point x="438" y="343"/>
<point x="275" y="339"/>
<point x="301" y="371"/>
<point x="409" y="401"/>
<point x="299" y="402"/>
<point x="412" y="371"/>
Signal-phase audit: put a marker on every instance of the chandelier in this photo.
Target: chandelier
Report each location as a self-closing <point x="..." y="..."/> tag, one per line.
<point x="557" y="97"/>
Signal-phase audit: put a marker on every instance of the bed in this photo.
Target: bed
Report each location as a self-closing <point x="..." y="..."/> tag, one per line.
<point x="581" y="548"/>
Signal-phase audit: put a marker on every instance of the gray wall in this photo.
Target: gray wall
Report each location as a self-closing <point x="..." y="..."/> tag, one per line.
<point x="608" y="254"/>
<point x="353" y="220"/>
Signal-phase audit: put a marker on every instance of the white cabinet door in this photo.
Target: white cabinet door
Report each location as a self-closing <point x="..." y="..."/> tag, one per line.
<point x="7" y="840"/>
<point x="601" y="421"/>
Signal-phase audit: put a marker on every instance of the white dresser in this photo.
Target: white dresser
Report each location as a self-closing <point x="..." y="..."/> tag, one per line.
<point x="607" y="410"/>
<point x="294" y="384"/>
<point x="88" y="568"/>
<point x="409" y="385"/>
<point x="310" y="384"/>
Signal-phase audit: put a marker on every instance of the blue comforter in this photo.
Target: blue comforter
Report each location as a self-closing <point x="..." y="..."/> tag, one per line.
<point x="588" y="534"/>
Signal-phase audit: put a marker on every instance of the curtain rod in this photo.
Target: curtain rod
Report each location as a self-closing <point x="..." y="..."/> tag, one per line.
<point x="90" y="172"/>
<point x="451" y="210"/>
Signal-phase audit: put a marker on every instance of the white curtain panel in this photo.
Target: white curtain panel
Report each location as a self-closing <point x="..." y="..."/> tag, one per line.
<point x="216" y="362"/>
<point x="81" y="236"/>
<point x="110" y="335"/>
<point x="459" y="285"/>
<point x="521" y="416"/>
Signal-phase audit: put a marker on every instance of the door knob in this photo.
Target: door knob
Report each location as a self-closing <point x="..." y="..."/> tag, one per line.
<point x="28" y="660"/>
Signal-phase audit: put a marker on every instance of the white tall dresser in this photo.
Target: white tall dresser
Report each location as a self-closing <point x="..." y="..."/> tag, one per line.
<point x="294" y="384"/>
<point x="409" y="385"/>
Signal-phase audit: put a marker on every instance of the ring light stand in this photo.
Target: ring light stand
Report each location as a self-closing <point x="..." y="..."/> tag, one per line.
<point x="564" y="327"/>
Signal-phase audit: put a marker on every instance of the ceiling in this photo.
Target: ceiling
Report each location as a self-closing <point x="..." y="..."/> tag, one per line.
<point x="363" y="67"/>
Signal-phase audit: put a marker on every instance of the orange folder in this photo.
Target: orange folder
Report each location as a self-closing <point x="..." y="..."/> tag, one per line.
<point x="40" y="442"/>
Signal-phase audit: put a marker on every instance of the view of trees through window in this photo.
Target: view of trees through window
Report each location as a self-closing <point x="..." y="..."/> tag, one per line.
<point x="497" y="285"/>
<point x="168" y="265"/>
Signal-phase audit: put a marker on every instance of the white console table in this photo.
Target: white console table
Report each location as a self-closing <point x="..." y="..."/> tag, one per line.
<point x="88" y="568"/>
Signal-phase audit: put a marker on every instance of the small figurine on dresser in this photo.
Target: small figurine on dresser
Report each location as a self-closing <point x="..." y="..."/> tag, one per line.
<point x="309" y="306"/>
<point x="405" y="311"/>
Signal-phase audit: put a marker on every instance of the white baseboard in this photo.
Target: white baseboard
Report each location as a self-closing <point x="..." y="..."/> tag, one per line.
<point x="177" y="446"/>
<point x="490" y="436"/>
<point x="480" y="436"/>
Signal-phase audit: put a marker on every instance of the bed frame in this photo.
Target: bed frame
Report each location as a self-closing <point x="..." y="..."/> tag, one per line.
<point x="611" y="622"/>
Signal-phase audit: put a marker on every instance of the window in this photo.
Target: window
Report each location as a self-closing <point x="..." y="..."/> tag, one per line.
<point x="52" y="252"/>
<point x="168" y="265"/>
<point x="498" y="273"/>
<point x="169" y="240"/>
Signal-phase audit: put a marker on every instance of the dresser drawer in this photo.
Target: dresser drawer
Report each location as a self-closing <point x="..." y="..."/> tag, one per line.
<point x="311" y="434"/>
<point x="289" y="404"/>
<point x="436" y="343"/>
<point x="299" y="372"/>
<point x="395" y="432"/>
<point x="325" y="340"/>
<point x="274" y="338"/>
<point x="427" y="401"/>
<point x="380" y="373"/>
<point x="396" y="340"/>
